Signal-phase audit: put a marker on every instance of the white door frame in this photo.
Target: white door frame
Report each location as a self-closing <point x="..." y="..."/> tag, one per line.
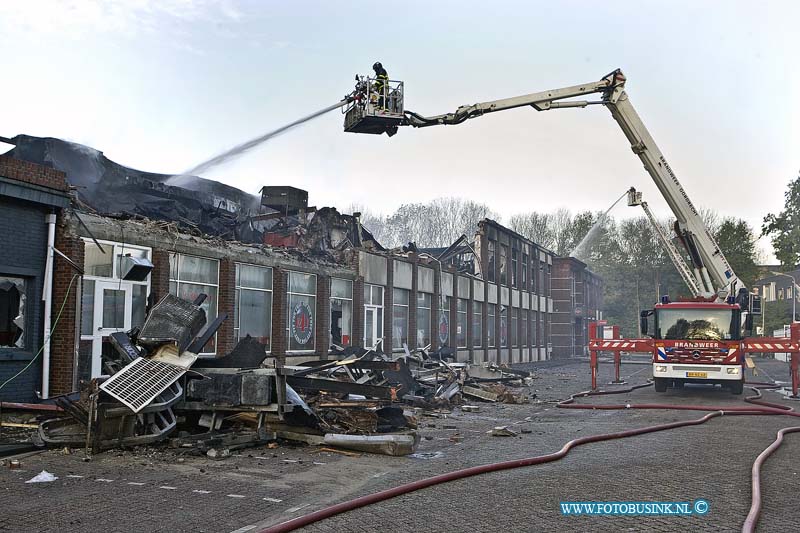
<point x="374" y="310"/>
<point x="98" y="331"/>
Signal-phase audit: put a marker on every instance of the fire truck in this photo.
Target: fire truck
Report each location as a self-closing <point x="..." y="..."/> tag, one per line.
<point x="700" y="339"/>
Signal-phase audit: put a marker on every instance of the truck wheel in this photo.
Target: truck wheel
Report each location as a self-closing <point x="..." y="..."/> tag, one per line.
<point x="737" y="386"/>
<point x="661" y="384"/>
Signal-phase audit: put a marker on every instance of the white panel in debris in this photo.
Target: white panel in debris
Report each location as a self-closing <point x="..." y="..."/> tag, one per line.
<point x="477" y="290"/>
<point x="373" y="268"/>
<point x="447" y="284"/>
<point x="463" y="287"/>
<point x="402" y="275"/>
<point x="425" y="277"/>
<point x="492" y="293"/>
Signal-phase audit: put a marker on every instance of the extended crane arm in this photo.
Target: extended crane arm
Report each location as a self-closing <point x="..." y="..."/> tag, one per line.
<point x="541" y="101"/>
<point x="716" y="274"/>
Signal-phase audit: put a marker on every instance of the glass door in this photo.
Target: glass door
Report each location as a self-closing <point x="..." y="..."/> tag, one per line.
<point x="373" y="326"/>
<point x="113" y="305"/>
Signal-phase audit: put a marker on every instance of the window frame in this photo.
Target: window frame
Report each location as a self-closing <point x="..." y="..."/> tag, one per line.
<point x="462" y="315"/>
<point x="178" y="283"/>
<point x="313" y="308"/>
<point x="368" y="288"/>
<point x="426" y="323"/>
<point x="491" y="326"/>
<point x="407" y="317"/>
<point x="330" y="310"/>
<point x="477" y="324"/>
<point x="237" y="301"/>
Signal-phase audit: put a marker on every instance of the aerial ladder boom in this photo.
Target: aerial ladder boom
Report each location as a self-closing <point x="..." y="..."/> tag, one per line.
<point x="714" y="274"/>
<point x="692" y="280"/>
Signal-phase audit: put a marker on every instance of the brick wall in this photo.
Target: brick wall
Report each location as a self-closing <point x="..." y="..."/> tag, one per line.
<point x="226" y="300"/>
<point x="279" y="314"/>
<point x="358" y="312"/>
<point x="159" y="277"/>
<point x="323" y="324"/>
<point x="43" y="176"/>
<point x="63" y="341"/>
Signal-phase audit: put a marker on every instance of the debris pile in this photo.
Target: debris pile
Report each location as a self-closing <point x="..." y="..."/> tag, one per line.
<point x="157" y="388"/>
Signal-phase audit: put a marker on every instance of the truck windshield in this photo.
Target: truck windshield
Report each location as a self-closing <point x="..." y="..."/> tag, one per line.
<point x="697" y="324"/>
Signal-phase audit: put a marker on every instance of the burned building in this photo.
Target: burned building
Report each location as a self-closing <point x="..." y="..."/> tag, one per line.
<point x="304" y="282"/>
<point x="577" y="301"/>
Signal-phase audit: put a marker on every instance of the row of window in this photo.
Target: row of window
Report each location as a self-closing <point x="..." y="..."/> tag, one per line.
<point x="191" y="276"/>
<point x="525" y="273"/>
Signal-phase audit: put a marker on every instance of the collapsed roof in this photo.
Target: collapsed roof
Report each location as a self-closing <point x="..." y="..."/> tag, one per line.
<point x="194" y="203"/>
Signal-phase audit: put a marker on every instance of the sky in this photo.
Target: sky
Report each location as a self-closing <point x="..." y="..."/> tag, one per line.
<point x="162" y="85"/>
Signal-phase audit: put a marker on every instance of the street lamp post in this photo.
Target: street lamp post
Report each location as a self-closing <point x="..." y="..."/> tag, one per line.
<point x="794" y="293"/>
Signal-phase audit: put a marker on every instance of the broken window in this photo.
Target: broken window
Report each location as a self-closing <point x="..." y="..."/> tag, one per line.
<point x="12" y="312"/>
<point x="490" y="325"/>
<point x="490" y="274"/>
<point x="523" y="328"/>
<point x="341" y="312"/>
<point x="534" y="328"/>
<point x="503" y="266"/>
<point x="423" y="319"/>
<point x="400" y="318"/>
<point x="302" y="311"/>
<point x="534" y="272"/>
<point x="477" y="330"/>
<point x="98" y="262"/>
<point x="252" y="312"/>
<point x="191" y="276"/>
<point x="461" y="323"/>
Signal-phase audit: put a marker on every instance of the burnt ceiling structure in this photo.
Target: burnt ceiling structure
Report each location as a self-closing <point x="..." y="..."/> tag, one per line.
<point x="193" y="203"/>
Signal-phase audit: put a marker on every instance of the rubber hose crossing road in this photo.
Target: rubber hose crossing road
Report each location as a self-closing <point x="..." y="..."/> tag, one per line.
<point x="760" y="408"/>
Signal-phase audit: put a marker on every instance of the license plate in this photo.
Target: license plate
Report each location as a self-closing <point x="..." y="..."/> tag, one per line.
<point x="697" y="374"/>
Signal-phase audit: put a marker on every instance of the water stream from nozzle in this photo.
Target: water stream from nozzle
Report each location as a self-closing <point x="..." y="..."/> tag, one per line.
<point x="240" y="149"/>
<point x="583" y="247"/>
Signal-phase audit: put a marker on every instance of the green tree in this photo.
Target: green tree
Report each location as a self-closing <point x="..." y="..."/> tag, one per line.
<point x="737" y="242"/>
<point x="784" y="228"/>
<point x="776" y="314"/>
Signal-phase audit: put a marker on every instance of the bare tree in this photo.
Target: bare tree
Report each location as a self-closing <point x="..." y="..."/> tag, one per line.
<point x="535" y="226"/>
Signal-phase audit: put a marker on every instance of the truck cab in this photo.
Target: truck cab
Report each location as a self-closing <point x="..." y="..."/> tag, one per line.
<point x="696" y="342"/>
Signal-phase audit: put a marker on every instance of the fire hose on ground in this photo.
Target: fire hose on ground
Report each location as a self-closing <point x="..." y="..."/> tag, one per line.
<point x="760" y="407"/>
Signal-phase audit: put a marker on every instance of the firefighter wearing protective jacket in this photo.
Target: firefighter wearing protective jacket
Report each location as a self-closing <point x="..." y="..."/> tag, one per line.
<point x="381" y="82"/>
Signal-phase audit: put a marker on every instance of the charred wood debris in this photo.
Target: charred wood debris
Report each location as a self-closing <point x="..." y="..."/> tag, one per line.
<point x="157" y="390"/>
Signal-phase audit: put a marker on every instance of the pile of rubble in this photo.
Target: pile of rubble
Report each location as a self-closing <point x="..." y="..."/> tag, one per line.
<point x="158" y="390"/>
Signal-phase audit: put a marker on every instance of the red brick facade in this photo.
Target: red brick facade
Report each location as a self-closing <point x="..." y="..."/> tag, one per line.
<point x="63" y="341"/>
<point x="225" y="304"/>
<point x="32" y="173"/>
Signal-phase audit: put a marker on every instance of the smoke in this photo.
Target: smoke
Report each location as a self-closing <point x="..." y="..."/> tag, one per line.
<point x="240" y="149"/>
